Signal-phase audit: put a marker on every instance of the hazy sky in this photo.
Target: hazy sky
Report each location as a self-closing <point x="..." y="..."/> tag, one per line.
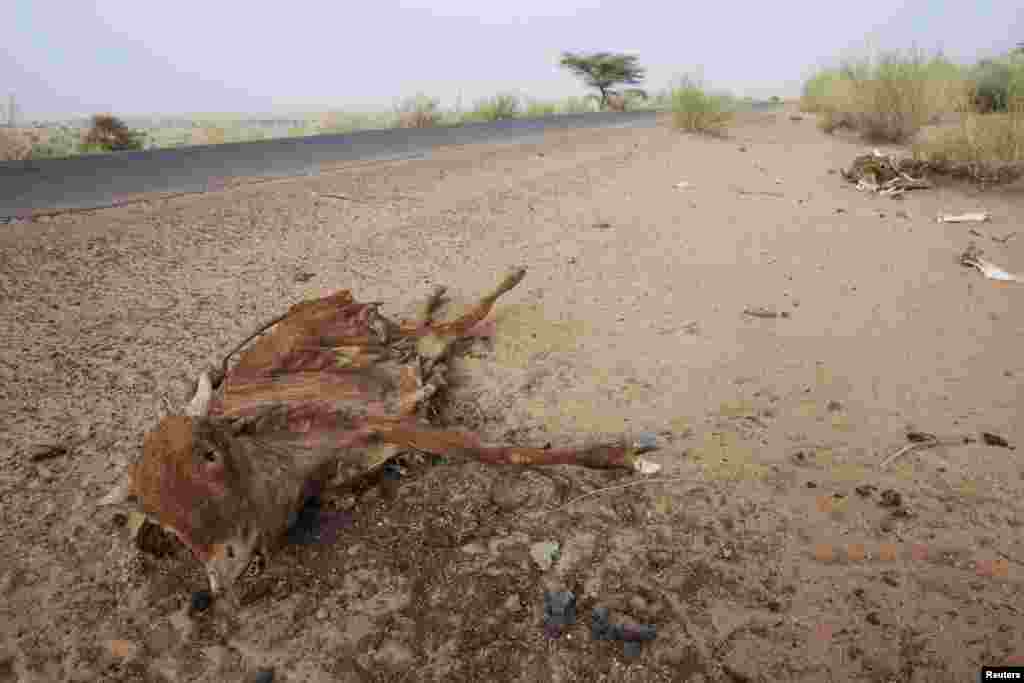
<point x="68" y="57"/>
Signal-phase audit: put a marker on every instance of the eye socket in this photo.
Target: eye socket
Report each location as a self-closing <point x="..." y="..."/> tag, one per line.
<point x="210" y="455"/>
<point x="231" y="552"/>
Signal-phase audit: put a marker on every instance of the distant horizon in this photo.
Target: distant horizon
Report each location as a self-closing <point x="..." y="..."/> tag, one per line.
<point x="72" y="60"/>
<point x="298" y="110"/>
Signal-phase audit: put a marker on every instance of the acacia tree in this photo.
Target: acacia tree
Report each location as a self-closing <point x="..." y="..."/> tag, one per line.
<point x="602" y="70"/>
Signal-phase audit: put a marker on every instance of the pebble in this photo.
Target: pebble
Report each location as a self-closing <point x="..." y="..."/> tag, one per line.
<point x="263" y="676"/>
<point x="891" y="499"/>
<point x="46" y="451"/>
<point x="645" y="441"/>
<point x="513" y="603"/>
<point x="560" y="608"/>
<point x="544" y="554"/>
<point x="321" y="614"/>
<point x="631" y="649"/>
<point x="201" y="600"/>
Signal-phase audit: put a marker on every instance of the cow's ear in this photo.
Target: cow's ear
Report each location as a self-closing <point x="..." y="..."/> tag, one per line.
<point x="199" y="406"/>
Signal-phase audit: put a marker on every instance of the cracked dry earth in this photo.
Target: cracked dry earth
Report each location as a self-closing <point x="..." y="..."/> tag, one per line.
<point x="773" y="547"/>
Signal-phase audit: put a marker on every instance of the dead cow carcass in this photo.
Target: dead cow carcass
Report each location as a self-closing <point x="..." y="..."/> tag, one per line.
<point x="333" y="385"/>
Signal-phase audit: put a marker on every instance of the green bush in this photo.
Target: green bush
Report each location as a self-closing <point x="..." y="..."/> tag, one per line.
<point x="501" y="106"/>
<point x="888" y="99"/>
<point x="696" y="110"/>
<point x="580" y="105"/>
<point x="536" y="108"/>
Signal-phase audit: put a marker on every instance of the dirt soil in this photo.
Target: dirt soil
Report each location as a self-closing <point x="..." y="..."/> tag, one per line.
<point x="772" y="546"/>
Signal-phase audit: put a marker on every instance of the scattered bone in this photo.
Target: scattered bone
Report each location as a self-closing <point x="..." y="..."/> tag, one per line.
<point x="972" y="258"/>
<point x="972" y="217"/>
<point x="885" y="175"/>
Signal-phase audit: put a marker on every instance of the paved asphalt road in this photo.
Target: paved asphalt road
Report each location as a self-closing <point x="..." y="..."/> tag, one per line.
<point x="102" y="180"/>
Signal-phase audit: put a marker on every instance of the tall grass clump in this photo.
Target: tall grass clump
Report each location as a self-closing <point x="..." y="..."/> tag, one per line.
<point x="695" y="109"/>
<point x="580" y="105"/>
<point x="989" y="131"/>
<point x="419" y="111"/>
<point x="537" y="108"/>
<point x="501" y="106"/>
<point x="887" y="99"/>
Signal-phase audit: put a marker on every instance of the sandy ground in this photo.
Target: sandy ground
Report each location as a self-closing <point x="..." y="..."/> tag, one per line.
<point x="779" y="549"/>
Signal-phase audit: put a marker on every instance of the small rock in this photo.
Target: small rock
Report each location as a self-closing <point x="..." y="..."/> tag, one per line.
<point x="743" y="148"/>
<point x="602" y="225"/>
<point x="201" y="600"/>
<point x="834" y="406"/>
<point x="559" y="612"/>
<point x="122" y="649"/>
<point x="304" y="276"/>
<point x="865" y="490"/>
<point x="760" y="312"/>
<point x="513" y="603"/>
<point x="812" y="485"/>
<point x="46" y="451"/>
<point x="7" y="673"/>
<point x="263" y="676"/>
<point x="645" y="441"/>
<point x="321" y="614"/>
<point x="638" y="605"/>
<point x="891" y="499"/>
<point x="995" y="440"/>
<point x="873" y="618"/>
<point x="509" y="497"/>
<point x="544" y="554"/>
<point x="395" y="654"/>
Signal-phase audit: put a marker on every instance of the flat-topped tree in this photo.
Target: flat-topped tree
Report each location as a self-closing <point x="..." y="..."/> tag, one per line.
<point x="602" y="70"/>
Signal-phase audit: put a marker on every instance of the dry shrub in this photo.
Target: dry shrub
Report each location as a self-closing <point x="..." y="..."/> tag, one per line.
<point x="695" y="110"/>
<point x="888" y="99"/>
<point x="208" y="135"/>
<point x="15" y="145"/>
<point x="983" y="146"/>
<point x="110" y="133"/>
<point x="419" y="111"/>
<point x="417" y="119"/>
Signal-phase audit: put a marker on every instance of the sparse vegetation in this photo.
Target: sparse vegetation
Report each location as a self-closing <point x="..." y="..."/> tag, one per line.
<point x="15" y="145"/>
<point x="419" y="112"/>
<point x="888" y="99"/>
<point x="536" y="108"/>
<point x="962" y="119"/>
<point x="77" y="136"/>
<point x="501" y="106"/>
<point x="602" y="70"/>
<point x="696" y="110"/>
